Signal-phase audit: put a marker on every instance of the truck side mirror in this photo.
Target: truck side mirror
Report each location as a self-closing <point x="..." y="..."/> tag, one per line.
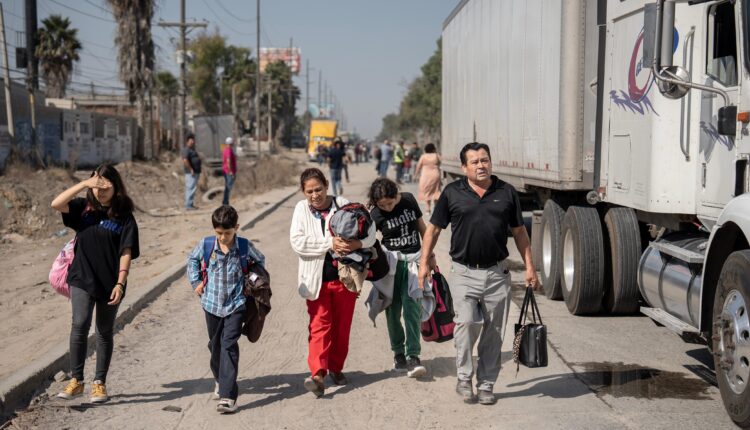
<point x="727" y="121"/>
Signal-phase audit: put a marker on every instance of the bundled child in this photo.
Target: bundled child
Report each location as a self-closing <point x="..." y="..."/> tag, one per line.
<point x="399" y="219"/>
<point x="216" y="269"/>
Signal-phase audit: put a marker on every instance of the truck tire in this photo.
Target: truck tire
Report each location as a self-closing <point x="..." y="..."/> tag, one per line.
<point x="622" y="238"/>
<point x="582" y="274"/>
<point x="731" y="336"/>
<point x="551" y="236"/>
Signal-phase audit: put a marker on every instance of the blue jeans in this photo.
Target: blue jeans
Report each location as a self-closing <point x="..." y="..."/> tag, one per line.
<point x="228" y="184"/>
<point x="383" y="168"/>
<point x="191" y="184"/>
<point x="399" y="172"/>
<point x="338" y="189"/>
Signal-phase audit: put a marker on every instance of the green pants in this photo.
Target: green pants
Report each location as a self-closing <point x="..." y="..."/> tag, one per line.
<point x="412" y="316"/>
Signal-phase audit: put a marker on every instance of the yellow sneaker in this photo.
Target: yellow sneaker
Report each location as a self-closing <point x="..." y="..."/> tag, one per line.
<point x="74" y="389"/>
<point x="98" y="392"/>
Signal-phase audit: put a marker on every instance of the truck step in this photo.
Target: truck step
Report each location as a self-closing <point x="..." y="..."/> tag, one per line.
<point x="680" y="253"/>
<point x="667" y="320"/>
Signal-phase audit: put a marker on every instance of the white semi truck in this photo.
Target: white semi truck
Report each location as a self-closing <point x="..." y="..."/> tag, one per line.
<point x="627" y="122"/>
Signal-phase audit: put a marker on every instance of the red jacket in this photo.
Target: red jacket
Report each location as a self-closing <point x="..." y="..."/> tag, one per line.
<point x="229" y="161"/>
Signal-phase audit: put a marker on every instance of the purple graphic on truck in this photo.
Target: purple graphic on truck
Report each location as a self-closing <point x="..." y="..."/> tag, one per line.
<point x="640" y="81"/>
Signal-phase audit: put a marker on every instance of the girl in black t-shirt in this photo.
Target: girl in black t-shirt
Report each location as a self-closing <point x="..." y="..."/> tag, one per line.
<point x="106" y="242"/>
<point x="399" y="219"/>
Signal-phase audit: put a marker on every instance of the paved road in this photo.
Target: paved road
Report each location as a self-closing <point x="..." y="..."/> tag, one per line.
<point x="604" y="372"/>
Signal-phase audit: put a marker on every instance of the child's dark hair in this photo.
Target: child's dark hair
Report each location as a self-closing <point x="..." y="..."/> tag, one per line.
<point x="121" y="205"/>
<point x="312" y="173"/>
<point x="225" y="217"/>
<point x="430" y="148"/>
<point x="381" y="188"/>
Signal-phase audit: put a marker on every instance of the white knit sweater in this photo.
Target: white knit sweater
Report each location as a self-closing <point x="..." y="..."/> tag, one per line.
<point x="311" y="245"/>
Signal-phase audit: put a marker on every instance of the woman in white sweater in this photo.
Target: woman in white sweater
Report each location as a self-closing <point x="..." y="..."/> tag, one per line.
<point x="329" y="304"/>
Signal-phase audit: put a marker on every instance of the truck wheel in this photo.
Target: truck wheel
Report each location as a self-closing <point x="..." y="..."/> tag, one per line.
<point x="622" y="238"/>
<point x="582" y="260"/>
<point x="731" y="336"/>
<point x="551" y="235"/>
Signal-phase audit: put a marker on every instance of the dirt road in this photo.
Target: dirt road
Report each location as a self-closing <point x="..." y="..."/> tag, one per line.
<point x="34" y="319"/>
<point x="160" y="378"/>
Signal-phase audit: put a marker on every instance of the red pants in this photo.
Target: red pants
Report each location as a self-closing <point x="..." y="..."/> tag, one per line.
<point x="330" y="323"/>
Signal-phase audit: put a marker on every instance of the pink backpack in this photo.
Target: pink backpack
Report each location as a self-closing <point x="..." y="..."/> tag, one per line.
<point x="58" y="275"/>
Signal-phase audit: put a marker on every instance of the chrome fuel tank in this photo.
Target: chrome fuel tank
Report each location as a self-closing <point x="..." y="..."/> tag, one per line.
<point x="671" y="283"/>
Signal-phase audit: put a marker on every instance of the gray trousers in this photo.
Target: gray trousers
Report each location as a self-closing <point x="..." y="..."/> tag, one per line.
<point x="481" y="301"/>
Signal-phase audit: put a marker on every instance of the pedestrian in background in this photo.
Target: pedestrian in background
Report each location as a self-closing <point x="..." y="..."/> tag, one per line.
<point x="219" y="284"/>
<point x="377" y="154"/>
<point x="192" y="167"/>
<point x="414" y="153"/>
<point x="336" y="163"/>
<point x="106" y="243"/>
<point x="229" y="166"/>
<point x="348" y="159"/>
<point x="386" y="153"/>
<point x="398" y="161"/>
<point x="479" y="208"/>
<point x="430" y="179"/>
<point x="329" y="304"/>
<point x="398" y="218"/>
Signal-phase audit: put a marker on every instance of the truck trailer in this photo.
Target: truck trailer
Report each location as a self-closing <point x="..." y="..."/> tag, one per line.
<point x="626" y="123"/>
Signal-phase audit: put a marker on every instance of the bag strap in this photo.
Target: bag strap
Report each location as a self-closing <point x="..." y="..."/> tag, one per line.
<point x="534" y="306"/>
<point x="209" y="243"/>
<point x="524" y="308"/>
<point x="244" y="246"/>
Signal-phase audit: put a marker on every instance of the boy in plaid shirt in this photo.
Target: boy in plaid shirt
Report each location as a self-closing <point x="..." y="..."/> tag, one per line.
<point x="215" y="270"/>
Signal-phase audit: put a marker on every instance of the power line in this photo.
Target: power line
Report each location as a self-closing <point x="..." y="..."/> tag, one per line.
<point x="232" y="13"/>
<point x="107" y="11"/>
<point x="82" y="12"/>
<point x="222" y="21"/>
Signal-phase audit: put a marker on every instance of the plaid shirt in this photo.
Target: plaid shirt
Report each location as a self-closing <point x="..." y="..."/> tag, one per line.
<point x="223" y="293"/>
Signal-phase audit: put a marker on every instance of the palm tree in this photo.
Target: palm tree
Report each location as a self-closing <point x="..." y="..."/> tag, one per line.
<point x="136" y="54"/>
<point x="57" y="51"/>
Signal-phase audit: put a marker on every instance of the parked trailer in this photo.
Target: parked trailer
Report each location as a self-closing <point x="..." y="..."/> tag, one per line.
<point x="621" y="119"/>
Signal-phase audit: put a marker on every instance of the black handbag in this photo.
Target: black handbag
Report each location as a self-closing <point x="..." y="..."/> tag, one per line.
<point x="530" y="343"/>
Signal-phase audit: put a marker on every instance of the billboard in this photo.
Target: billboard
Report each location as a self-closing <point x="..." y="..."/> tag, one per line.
<point x="291" y="56"/>
<point x="322" y="111"/>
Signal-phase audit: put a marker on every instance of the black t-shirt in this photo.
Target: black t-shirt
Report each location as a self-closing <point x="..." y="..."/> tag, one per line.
<point x="99" y="244"/>
<point x="336" y="158"/>
<point x="192" y="157"/>
<point x="479" y="226"/>
<point x="399" y="226"/>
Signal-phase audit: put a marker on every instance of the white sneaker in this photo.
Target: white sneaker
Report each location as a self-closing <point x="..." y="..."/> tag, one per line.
<point x="216" y="392"/>
<point x="226" y="406"/>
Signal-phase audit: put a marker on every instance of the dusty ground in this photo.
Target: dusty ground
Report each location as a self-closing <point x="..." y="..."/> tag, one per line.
<point x="33" y="318"/>
<point x="604" y="372"/>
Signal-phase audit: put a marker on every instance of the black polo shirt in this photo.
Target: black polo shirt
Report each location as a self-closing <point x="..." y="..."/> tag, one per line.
<point x="479" y="226"/>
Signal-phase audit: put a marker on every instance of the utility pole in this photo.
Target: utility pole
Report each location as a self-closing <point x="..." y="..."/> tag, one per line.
<point x="6" y="78"/>
<point x="290" y="114"/>
<point x="184" y="29"/>
<point x="307" y="85"/>
<point x="33" y="61"/>
<point x="257" y="79"/>
<point x="320" y="83"/>
<point x="270" y="120"/>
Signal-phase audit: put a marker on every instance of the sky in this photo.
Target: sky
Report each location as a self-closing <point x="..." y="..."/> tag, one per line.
<point x="367" y="50"/>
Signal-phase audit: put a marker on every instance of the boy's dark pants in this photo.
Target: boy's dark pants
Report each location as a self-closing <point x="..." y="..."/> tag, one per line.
<point x="223" y="334"/>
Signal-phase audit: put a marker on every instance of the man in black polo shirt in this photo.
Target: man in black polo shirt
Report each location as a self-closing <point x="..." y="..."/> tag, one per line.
<point x="479" y="208"/>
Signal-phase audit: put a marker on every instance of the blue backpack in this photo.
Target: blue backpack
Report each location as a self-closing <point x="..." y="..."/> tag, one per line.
<point x="209" y="244"/>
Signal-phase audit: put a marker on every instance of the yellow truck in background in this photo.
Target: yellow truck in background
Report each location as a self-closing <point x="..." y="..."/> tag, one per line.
<point x="322" y="132"/>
